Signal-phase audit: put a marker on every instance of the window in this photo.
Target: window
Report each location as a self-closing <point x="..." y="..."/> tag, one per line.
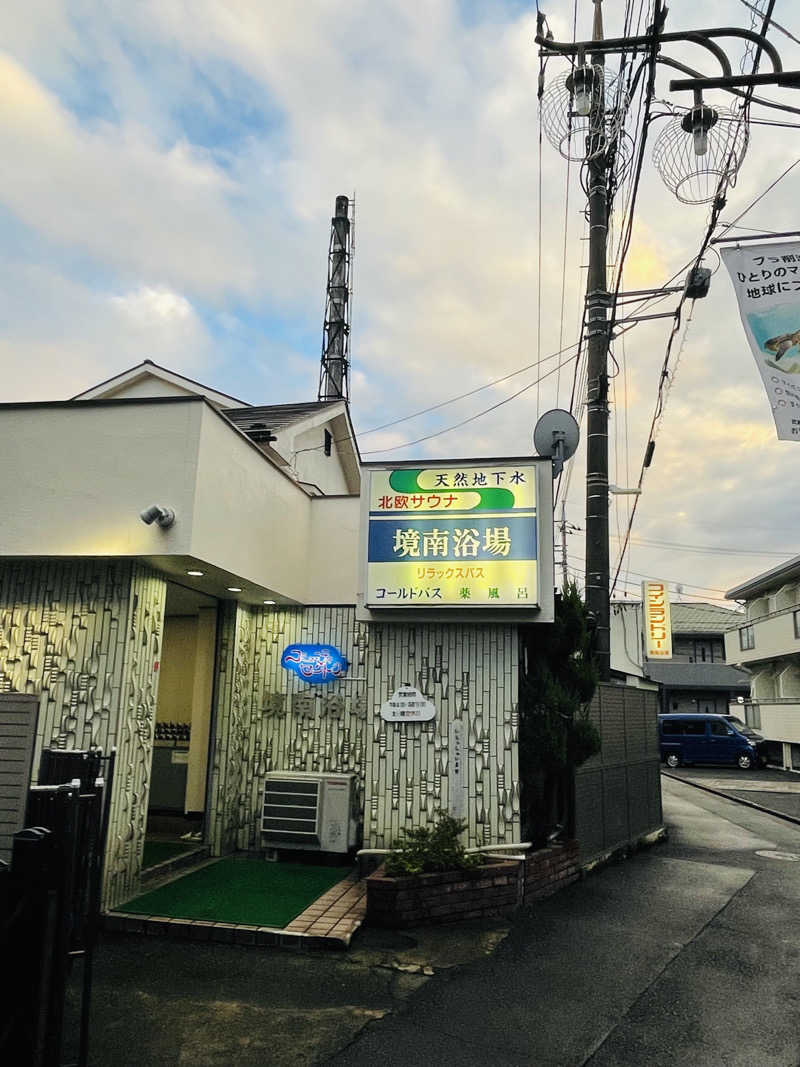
<point x="671" y="729"/>
<point x="328" y="442"/>
<point x="694" y="727"/>
<point x="720" y="729"/>
<point x="747" y="638"/>
<point x="796" y="617"/>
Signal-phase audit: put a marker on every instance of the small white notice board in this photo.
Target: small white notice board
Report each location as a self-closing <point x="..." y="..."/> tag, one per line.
<point x="407" y="704"/>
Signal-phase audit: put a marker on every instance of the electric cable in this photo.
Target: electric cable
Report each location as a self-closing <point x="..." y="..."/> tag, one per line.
<point x="717" y="208"/>
<point x="472" y="418"/>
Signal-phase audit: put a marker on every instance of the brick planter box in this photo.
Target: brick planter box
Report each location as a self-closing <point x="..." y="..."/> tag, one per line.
<point x="496" y="889"/>
<point x="454" y="896"/>
<point x="548" y="870"/>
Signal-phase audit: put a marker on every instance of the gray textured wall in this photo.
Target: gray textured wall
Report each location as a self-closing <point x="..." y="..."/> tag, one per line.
<point x="618" y="792"/>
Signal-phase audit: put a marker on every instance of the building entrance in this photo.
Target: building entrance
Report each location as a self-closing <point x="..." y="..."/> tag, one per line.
<point x="177" y="796"/>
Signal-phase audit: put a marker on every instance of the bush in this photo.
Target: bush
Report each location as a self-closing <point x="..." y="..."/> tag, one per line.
<point x="430" y="848"/>
<point x="583" y="741"/>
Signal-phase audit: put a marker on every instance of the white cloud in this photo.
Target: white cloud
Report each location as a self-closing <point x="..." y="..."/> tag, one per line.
<point x="433" y="122"/>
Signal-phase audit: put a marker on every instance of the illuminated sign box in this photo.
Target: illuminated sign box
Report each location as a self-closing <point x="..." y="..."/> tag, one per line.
<point x="657" y="621"/>
<point x="455" y="535"/>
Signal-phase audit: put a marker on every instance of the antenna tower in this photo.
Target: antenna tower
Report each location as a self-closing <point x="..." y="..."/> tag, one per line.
<point x="334" y="375"/>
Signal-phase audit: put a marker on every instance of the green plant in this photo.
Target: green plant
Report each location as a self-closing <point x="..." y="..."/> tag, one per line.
<point x="430" y="848"/>
<point x="583" y="740"/>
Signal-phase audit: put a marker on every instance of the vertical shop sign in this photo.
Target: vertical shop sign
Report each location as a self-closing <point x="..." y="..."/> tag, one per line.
<point x="657" y="621"/>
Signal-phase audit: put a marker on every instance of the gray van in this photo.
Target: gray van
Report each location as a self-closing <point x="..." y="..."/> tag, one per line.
<point x="707" y="739"/>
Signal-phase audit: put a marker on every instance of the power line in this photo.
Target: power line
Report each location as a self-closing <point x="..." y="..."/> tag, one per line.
<point x="472" y="418"/>
<point x="717" y="208"/>
<point x="777" y="25"/>
<point x="711" y="550"/>
<point x="471" y="392"/>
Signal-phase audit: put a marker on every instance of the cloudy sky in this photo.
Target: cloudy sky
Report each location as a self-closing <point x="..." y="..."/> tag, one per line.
<point x="169" y="172"/>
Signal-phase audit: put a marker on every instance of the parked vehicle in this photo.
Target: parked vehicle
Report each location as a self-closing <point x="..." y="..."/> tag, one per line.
<point x="707" y="739"/>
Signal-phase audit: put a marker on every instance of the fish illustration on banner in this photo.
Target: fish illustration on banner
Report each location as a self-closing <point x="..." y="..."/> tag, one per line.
<point x="766" y="278"/>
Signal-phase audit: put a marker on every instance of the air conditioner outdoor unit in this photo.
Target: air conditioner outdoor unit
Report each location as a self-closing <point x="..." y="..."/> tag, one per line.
<point x="309" y="810"/>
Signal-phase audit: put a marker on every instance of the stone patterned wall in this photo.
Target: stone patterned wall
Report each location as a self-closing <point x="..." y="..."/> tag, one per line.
<point x="267" y="719"/>
<point x="230" y="721"/>
<point x="85" y="635"/>
<point x="136" y="730"/>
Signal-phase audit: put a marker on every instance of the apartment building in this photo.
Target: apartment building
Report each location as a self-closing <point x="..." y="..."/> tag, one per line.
<point x="767" y="643"/>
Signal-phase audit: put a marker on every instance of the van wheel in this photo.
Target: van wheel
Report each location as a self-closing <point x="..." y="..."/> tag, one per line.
<point x="745" y="762"/>
<point x="673" y="760"/>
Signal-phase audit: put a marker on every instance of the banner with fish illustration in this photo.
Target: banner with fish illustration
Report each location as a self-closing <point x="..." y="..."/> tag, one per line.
<point x="766" y="278"/>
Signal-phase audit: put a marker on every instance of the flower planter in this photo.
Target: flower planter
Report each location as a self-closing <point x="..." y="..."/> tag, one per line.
<point x="498" y="888"/>
<point x="452" y="896"/>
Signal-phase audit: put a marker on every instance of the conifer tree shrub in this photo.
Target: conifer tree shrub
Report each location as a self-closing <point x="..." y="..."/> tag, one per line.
<point x="557" y="682"/>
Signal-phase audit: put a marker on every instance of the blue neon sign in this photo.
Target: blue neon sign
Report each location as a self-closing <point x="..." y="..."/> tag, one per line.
<point x="316" y="664"/>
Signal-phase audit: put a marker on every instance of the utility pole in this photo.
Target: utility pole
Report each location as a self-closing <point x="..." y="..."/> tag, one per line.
<point x="597" y="549"/>
<point x="714" y="155"/>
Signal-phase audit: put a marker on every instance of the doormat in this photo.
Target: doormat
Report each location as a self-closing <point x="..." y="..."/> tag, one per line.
<point x="248" y="891"/>
<point x="159" y="851"/>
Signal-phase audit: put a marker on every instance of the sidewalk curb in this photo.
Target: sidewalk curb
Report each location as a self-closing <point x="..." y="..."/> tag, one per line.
<point x="735" y="800"/>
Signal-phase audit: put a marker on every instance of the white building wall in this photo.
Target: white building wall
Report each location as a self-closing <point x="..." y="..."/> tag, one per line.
<point x="774" y="661"/>
<point x="332" y="563"/>
<point x="75" y="478"/>
<point x="313" y="466"/>
<point x="780" y="722"/>
<point x="248" y="517"/>
<point x="773" y="636"/>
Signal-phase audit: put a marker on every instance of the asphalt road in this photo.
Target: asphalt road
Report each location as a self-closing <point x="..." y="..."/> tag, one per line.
<point x="774" y="789"/>
<point x="686" y="953"/>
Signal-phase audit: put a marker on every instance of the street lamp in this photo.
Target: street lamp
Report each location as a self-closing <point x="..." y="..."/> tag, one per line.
<point x="697" y="149"/>
<point x="581" y="85"/>
<point x="575" y="118"/>
<point x="703" y="143"/>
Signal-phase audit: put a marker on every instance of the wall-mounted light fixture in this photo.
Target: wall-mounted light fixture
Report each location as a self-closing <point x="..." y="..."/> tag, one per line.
<point x="161" y="516"/>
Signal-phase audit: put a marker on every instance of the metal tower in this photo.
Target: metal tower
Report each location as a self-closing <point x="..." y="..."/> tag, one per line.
<point x="334" y="375"/>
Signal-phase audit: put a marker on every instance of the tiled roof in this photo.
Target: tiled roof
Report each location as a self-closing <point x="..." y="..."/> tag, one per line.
<point x="276" y="417"/>
<point x="698" y="675"/>
<point x="702" y="618"/>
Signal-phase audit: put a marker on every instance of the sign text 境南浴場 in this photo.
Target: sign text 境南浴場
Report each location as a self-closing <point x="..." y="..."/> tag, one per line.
<point x="456" y="536"/>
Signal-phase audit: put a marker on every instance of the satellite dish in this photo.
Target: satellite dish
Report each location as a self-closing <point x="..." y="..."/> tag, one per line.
<point x="556" y="435"/>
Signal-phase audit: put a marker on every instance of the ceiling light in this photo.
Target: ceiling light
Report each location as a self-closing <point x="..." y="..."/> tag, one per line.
<point x="196" y="574"/>
<point x="234" y="589"/>
<point x="269" y="601"/>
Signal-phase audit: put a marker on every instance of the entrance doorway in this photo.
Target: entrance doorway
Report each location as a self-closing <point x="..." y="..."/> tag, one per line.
<point x="177" y="799"/>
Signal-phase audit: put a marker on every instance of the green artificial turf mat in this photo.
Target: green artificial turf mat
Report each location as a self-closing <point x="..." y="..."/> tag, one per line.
<point x="240" y="891"/>
<point x="158" y="851"/>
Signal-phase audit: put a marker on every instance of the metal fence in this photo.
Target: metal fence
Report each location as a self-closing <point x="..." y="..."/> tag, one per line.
<point x="50" y="905"/>
<point x="618" y="792"/>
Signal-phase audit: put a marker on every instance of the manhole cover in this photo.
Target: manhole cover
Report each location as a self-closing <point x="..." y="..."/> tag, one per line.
<point x="770" y="854"/>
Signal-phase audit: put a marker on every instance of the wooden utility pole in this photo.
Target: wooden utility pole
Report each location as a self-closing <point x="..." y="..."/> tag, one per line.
<point x="597" y="551"/>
